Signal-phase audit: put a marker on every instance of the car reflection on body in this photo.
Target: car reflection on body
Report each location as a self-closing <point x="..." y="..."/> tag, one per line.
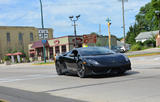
<point x="92" y="60"/>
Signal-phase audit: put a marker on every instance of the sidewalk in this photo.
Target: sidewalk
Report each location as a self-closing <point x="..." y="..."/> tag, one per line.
<point x="147" y="51"/>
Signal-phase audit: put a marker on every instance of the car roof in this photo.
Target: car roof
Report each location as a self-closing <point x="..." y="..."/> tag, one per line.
<point x="89" y="48"/>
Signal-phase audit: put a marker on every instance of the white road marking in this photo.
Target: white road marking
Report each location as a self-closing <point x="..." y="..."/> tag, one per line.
<point x="158" y="58"/>
<point x="26" y="77"/>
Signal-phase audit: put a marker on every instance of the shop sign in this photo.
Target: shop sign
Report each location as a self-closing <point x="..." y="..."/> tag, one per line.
<point x="92" y="38"/>
<point x="56" y="42"/>
<point x="79" y="40"/>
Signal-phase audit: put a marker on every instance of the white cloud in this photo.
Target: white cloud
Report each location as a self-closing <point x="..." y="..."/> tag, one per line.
<point x="56" y="13"/>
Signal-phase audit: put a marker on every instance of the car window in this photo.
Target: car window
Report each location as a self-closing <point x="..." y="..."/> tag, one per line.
<point x="75" y="52"/>
<point x="95" y="51"/>
<point x="68" y="53"/>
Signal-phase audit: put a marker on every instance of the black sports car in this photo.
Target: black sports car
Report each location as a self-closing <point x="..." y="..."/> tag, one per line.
<point x="92" y="60"/>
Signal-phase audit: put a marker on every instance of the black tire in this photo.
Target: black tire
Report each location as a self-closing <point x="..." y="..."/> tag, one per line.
<point x="58" y="68"/>
<point x="81" y="71"/>
<point x="121" y="72"/>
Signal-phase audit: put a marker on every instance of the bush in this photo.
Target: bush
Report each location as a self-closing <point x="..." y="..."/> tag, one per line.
<point x="136" y="47"/>
<point x="6" y="58"/>
<point x="140" y="43"/>
<point x="149" y="43"/>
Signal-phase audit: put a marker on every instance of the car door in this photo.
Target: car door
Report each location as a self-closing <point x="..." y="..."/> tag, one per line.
<point x="71" y="60"/>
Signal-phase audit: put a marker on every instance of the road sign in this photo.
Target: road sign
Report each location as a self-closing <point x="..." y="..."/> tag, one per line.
<point x="92" y="38"/>
<point x="44" y="41"/>
<point x="43" y="33"/>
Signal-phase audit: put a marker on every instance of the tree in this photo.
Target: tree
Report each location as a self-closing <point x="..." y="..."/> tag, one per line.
<point x="146" y="20"/>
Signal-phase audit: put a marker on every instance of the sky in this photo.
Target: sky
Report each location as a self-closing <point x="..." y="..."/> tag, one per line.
<point x="57" y="12"/>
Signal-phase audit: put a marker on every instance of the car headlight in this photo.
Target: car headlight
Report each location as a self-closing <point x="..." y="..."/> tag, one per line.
<point x="90" y="61"/>
<point x="126" y="58"/>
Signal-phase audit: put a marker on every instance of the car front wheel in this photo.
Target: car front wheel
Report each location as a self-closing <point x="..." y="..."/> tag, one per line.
<point x="81" y="72"/>
<point x="58" y="68"/>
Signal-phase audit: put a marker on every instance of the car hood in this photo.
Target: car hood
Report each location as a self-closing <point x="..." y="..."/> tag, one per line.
<point x="108" y="59"/>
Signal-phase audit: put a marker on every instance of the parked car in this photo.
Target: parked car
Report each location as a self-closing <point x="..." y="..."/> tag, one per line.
<point x="92" y="60"/>
<point x="117" y="49"/>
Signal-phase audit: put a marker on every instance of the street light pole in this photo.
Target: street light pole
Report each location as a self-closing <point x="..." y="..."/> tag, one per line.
<point x="74" y="24"/>
<point x="75" y="32"/>
<point x="41" y="14"/>
<point x="43" y="42"/>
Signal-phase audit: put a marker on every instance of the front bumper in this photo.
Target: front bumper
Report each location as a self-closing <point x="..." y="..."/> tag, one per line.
<point x="104" y="69"/>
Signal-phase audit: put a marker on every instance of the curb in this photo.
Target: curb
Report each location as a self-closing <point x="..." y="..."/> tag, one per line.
<point x="146" y="54"/>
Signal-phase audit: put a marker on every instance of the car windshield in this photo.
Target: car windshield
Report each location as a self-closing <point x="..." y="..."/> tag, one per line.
<point x="92" y="51"/>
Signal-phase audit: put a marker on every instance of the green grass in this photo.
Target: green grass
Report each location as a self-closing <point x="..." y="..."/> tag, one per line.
<point x="3" y="100"/>
<point x="42" y="63"/>
<point x="147" y="54"/>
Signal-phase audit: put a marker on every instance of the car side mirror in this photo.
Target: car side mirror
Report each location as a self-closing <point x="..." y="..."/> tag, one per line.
<point x="72" y="55"/>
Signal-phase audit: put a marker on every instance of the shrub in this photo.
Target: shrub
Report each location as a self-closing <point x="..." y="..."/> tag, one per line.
<point x="149" y="43"/>
<point x="136" y="47"/>
<point x="6" y="58"/>
<point x="140" y="43"/>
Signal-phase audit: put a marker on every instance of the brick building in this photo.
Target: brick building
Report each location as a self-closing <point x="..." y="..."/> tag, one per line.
<point x="17" y="38"/>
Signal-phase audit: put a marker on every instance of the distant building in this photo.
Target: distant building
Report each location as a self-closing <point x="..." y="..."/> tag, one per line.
<point x="17" y="38"/>
<point x="63" y="44"/>
<point x="158" y="40"/>
<point x="143" y="36"/>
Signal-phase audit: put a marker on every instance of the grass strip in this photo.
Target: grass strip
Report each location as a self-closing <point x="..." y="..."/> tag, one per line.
<point x="1" y="100"/>
<point x="147" y="54"/>
<point x="42" y="63"/>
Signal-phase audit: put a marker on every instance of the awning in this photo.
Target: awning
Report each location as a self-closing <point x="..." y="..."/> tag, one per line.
<point x="9" y="54"/>
<point x="18" y="53"/>
<point x="38" y="44"/>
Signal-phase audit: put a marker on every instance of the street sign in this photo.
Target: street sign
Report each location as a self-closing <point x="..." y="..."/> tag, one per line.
<point x="92" y="38"/>
<point x="43" y="33"/>
<point x="44" y="41"/>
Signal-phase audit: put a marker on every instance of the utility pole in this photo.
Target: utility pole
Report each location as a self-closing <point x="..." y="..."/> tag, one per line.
<point x="123" y="24"/>
<point x="75" y="31"/>
<point x="99" y="29"/>
<point x="43" y="41"/>
<point x="108" y="20"/>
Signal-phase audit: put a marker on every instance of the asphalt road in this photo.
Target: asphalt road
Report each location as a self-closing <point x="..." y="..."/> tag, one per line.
<point x="30" y="83"/>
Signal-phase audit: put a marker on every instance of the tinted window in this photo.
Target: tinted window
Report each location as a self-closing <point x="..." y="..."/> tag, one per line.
<point x="91" y="51"/>
<point x="64" y="48"/>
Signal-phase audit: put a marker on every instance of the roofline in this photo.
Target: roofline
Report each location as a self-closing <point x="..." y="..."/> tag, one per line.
<point x="22" y="27"/>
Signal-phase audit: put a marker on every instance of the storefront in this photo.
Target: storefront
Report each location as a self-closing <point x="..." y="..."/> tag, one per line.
<point x="53" y="47"/>
<point x="64" y="44"/>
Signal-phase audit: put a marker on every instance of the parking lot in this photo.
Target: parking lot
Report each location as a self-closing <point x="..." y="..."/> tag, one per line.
<point x="28" y="83"/>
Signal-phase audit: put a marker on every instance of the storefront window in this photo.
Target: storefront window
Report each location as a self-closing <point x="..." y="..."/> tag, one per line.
<point x="51" y="52"/>
<point x="39" y="51"/>
<point x="63" y="48"/>
<point x="57" y="49"/>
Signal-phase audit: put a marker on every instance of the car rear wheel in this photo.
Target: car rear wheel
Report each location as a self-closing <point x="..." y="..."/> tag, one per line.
<point x="58" y="68"/>
<point x="81" y="72"/>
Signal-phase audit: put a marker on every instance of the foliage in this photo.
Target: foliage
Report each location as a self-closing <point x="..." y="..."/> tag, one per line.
<point x="6" y="58"/>
<point x="146" y="20"/>
<point x="136" y="47"/>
